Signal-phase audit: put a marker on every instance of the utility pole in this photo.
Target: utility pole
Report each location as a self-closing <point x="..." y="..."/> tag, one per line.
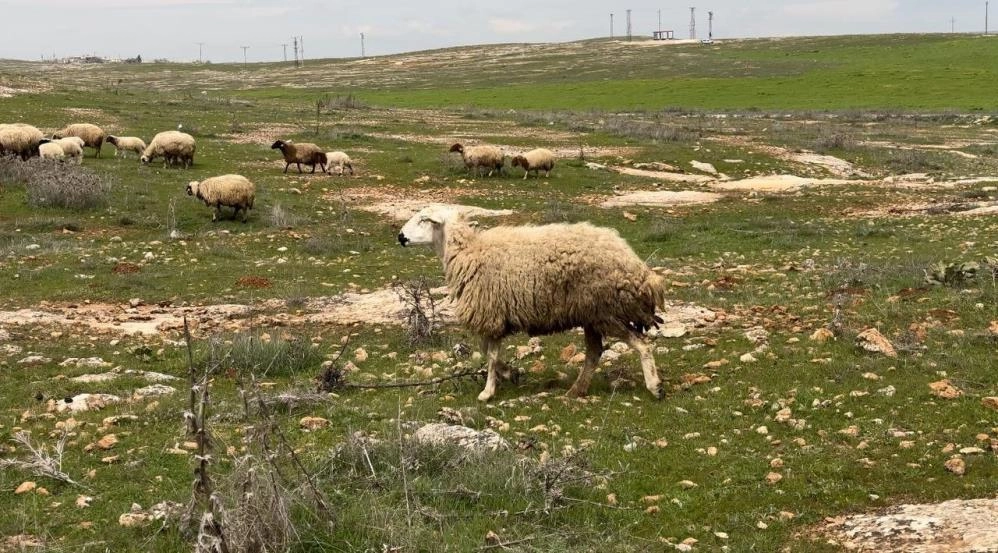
<point x="986" y="18"/>
<point x="244" y="53"/>
<point x="693" y="23"/>
<point x="362" y="46"/>
<point x="200" y="52"/>
<point x="295" y="39"/>
<point x="611" y="25"/>
<point x="659" y="21"/>
<point x="952" y="24"/>
<point x="628" y="25"/>
<point x="285" y="45"/>
<point x="301" y="44"/>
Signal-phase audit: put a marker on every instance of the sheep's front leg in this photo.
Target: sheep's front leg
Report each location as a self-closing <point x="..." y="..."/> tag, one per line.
<point x="594" y="350"/>
<point x="491" y="348"/>
<point x="216" y="214"/>
<point x="286" y="165"/>
<point x="652" y="382"/>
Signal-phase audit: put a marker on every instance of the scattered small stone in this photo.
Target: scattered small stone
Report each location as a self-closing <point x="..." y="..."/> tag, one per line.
<point x="873" y="341"/>
<point x="312" y="424"/>
<point x="154" y="390"/>
<point x="945" y="389"/>
<point x="991" y="402"/>
<point x="107" y="442"/>
<point x="468" y="438"/>
<point x="773" y="477"/>
<point x="956" y="465"/>
<point x="822" y="335"/>
<point x="25" y="487"/>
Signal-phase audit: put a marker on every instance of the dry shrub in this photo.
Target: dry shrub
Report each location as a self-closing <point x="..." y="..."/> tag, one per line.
<point x="54" y="183"/>
<point x="421" y="317"/>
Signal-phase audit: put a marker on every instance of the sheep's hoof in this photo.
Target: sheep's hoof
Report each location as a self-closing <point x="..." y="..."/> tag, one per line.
<point x="574" y="393"/>
<point x="484" y="396"/>
<point x="657" y="390"/>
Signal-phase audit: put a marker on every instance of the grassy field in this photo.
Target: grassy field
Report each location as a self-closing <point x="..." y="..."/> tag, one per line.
<point x="750" y="392"/>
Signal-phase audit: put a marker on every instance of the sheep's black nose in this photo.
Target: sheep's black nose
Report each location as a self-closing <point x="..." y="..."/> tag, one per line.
<point x="403" y="240"/>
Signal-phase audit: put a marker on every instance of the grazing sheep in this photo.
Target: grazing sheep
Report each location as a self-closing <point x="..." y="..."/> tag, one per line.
<point x="173" y="147"/>
<point x="20" y="139"/>
<point x="542" y="280"/>
<point x="235" y="191"/>
<point x="72" y="146"/>
<point x="124" y="144"/>
<point x="92" y="135"/>
<point x="535" y="160"/>
<point x="306" y="153"/>
<point x="50" y="150"/>
<point x="481" y="157"/>
<point x="340" y="160"/>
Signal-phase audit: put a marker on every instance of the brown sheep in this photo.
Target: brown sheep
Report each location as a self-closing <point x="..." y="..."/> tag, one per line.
<point x="306" y="153"/>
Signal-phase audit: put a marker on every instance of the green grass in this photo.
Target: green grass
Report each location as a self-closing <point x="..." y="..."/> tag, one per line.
<point x="788" y="263"/>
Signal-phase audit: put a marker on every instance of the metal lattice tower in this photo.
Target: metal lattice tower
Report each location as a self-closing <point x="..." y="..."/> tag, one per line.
<point x="628" y="25"/>
<point x="710" y="25"/>
<point x="693" y="23"/>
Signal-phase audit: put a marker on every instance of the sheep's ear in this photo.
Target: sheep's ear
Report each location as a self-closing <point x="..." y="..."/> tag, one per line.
<point x="432" y="219"/>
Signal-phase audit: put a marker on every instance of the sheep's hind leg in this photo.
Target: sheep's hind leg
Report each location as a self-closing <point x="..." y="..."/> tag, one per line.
<point x="652" y="381"/>
<point x="594" y="350"/>
<point x="491" y="348"/>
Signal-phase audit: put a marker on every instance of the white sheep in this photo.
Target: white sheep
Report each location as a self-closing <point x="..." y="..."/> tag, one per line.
<point x="124" y="144"/>
<point x="535" y="160"/>
<point x="341" y="160"/>
<point x="235" y="191"/>
<point x="92" y="135"/>
<point x="72" y="147"/>
<point x="542" y="280"/>
<point x="173" y="147"/>
<point x="50" y="150"/>
<point x="481" y="157"/>
<point x="20" y="139"/>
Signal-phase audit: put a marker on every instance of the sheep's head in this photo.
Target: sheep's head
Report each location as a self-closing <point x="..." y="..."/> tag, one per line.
<point x="111" y="139"/>
<point x="519" y="161"/>
<point x="279" y="145"/>
<point x="144" y="159"/>
<point x="192" y="189"/>
<point x="420" y="228"/>
<point x="457" y="148"/>
<point x="57" y="135"/>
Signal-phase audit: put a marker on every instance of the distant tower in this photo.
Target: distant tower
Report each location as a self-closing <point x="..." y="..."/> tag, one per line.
<point x="693" y="23"/>
<point x="362" y="53"/>
<point x="660" y="21"/>
<point x="628" y="25"/>
<point x="710" y="25"/>
<point x="611" y="25"/>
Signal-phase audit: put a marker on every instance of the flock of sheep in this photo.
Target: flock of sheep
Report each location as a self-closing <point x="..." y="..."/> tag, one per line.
<point x="508" y="279"/>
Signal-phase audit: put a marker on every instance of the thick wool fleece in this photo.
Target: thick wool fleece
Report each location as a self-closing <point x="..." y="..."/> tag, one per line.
<point x="546" y="279"/>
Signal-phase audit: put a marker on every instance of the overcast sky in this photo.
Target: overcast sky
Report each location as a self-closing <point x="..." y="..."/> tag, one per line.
<point x="171" y="29"/>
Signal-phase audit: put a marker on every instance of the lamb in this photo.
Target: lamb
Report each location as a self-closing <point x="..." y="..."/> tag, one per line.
<point x="124" y="144"/>
<point x="306" y="153"/>
<point x="235" y="191"/>
<point x="481" y="157"/>
<point x="20" y="139"/>
<point x="50" y="150"/>
<point x="340" y="160"/>
<point x="543" y="280"/>
<point x="535" y="160"/>
<point x="173" y="147"/>
<point x="92" y="135"/>
<point x="72" y="146"/>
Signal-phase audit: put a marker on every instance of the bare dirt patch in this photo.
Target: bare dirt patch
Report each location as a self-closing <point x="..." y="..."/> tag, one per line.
<point x="263" y="134"/>
<point x="657" y="198"/>
<point x="956" y="526"/>
<point x="401" y="204"/>
<point x="384" y="307"/>
<point x="776" y="183"/>
<point x="836" y="166"/>
<point x="665" y="175"/>
<point x="964" y="209"/>
<point x="254" y="282"/>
